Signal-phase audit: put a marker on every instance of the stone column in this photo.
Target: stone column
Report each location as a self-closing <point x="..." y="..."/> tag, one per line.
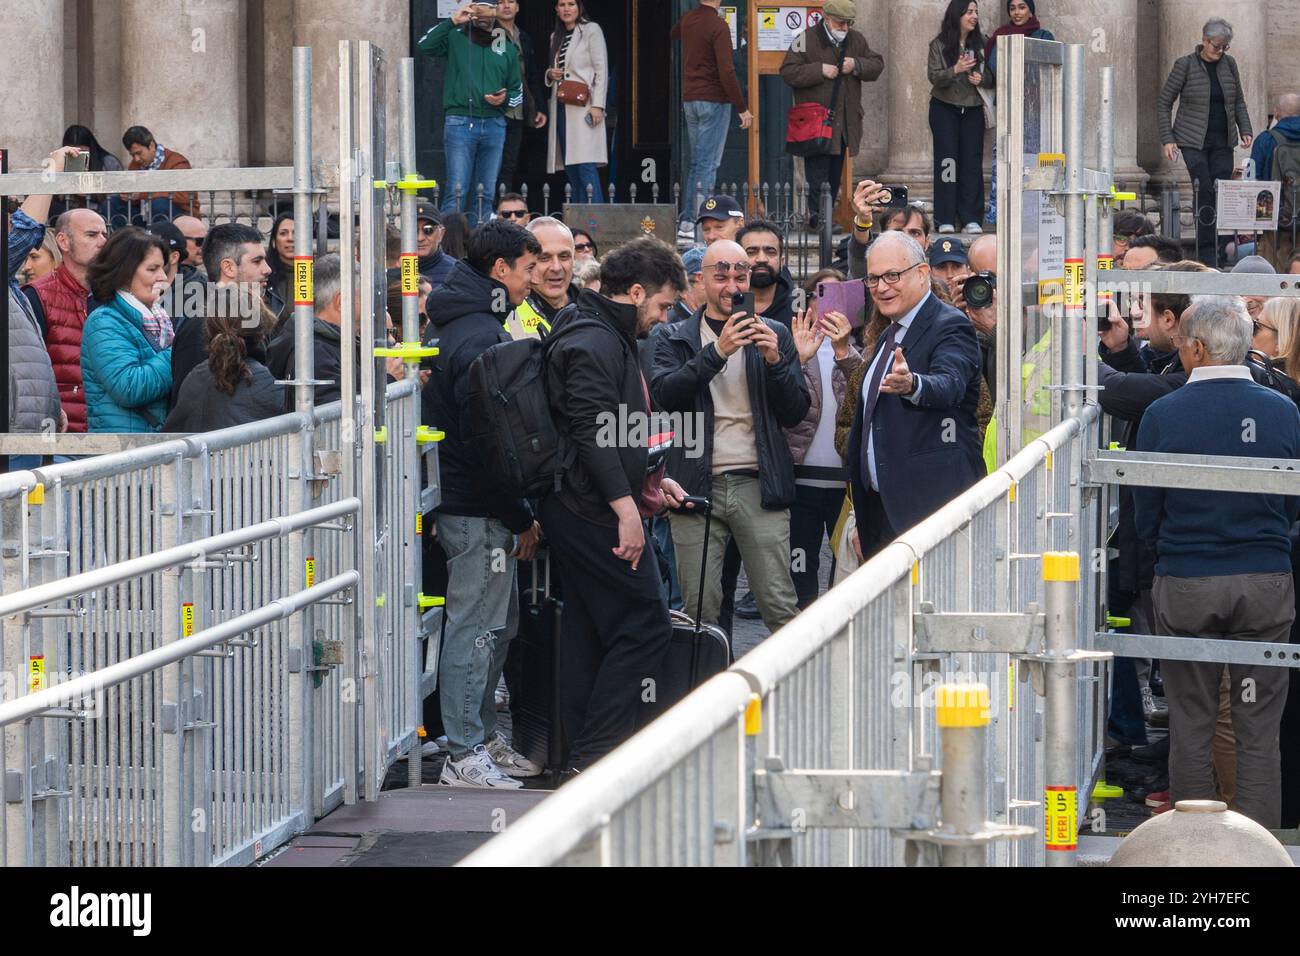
<point x="277" y="82"/>
<point x="912" y="25"/>
<point x="31" y="114"/>
<point x="1283" y="41"/>
<point x="873" y="23"/>
<point x="321" y="24"/>
<point x="1180" y="32"/>
<point x="1107" y="29"/>
<point x="183" y="76"/>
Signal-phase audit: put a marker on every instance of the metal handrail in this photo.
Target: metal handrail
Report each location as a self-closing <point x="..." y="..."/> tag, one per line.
<point x="94" y="580"/>
<point x="555" y="828"/>
<point x="237" y="179"/>
<point x="59" y="695"/>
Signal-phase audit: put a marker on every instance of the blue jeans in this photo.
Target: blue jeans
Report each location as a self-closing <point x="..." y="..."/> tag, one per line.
<point x="24" y="462"/>
<point x="706" y="130"/>
<point x="580" y="175"/>
<point x="482" y="615"/>
<point x="663" y="535"/>
<point x="474" y="146"/>
<point x="146" y="212"/>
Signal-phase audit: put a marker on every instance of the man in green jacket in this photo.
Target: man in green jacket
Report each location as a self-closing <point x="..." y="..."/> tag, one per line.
<point x="482" y="83"/>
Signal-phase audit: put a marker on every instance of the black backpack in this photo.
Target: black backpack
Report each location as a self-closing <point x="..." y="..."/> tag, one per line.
<point x="523" y="451"/>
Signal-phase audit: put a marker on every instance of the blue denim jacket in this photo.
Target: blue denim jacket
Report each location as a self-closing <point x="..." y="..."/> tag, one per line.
<point x="25" y="234"/>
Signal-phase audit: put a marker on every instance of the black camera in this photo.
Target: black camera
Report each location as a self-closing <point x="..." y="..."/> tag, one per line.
<point x="894" y="196"/>
<point x="978" y="289"/>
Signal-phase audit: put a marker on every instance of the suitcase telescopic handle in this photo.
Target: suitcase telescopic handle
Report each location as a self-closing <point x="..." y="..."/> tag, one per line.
<point x="700" y="505"/>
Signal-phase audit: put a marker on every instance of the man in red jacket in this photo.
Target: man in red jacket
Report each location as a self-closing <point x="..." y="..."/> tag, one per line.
<point x="62" y="297"/>
<point x="709" y="90"/>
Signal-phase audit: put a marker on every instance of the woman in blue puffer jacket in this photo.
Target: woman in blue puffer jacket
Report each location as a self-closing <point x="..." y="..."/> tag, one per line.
<point x="126" y="356"/>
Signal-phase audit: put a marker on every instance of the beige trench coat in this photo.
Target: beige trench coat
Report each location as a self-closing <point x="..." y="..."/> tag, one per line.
<point x="587" y="61"/>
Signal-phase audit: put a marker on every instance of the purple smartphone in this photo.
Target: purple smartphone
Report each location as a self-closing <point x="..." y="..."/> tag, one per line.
<point x="849" y="298"/>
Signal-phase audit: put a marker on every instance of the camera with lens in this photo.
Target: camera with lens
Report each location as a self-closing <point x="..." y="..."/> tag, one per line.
<point x="978" y="289"/>
<point x="894" y="197"/>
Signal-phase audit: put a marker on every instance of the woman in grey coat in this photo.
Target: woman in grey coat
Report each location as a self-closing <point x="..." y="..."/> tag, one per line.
<point x="1211" y="120"/>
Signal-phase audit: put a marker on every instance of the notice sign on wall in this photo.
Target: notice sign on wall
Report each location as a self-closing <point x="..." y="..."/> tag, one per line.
<point x="778" y="26"/>
<point x="448" y="7"/>
<point x="731" y="15"/>
<point x="1248" y="205"/>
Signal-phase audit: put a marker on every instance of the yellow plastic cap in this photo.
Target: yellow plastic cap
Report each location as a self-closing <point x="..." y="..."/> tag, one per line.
<point x="754" y="716"/>
<point x="1060" y="566"/>
<point x="962" y="705"/>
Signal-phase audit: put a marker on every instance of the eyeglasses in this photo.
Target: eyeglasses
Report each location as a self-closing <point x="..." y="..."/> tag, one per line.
<point x="197" y="240"/>
<point x="1259" y="326"/>
<point x="890" y="278"/>
<point x="428" y="229"/>
<point x="1121" y="237"/>
<point x="582" y="247"/>
<point x="513" y="214"/>
<point x="721" y="270"/>
<point x="1219" y="48"/>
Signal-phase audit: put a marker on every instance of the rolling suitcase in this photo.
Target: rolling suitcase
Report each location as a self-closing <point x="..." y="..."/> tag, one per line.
<point x="532" y="671"/>
<point x="696" y="651"/>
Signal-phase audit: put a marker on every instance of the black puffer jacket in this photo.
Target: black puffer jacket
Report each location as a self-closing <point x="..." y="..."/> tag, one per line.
<point x="777" y="393"/>
<point x="592" y="374"/>
<point x="327" y="361"/>
<point x="463" y="327"/>
<point x="202" y="407"/>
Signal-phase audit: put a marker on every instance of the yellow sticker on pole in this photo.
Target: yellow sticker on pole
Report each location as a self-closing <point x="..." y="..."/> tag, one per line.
<point x="1060" y="816"/>
<point x="1011" y="685"/>
<point x="303" y="293"/>
<point x="310" y="575"/>
<point x="419" y="522"/>
<point x="35" y="673"/>
<point x="187" y="620"/>
<point x="410" y="274"/>
<point x="1104" y="264"/>
<point x="1073" y="282"/>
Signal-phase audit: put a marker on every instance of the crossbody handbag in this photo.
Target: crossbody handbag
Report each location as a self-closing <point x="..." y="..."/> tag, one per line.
<point x="810" y="127"/>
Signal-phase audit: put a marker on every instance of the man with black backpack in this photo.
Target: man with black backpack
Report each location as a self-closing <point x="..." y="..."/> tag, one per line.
<point x="1276" y="155"/>
<point x="616" y="626"/>
<point x="482" y="529"/>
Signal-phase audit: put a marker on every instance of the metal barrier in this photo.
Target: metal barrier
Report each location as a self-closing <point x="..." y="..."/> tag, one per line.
<point x="845" y="707"/>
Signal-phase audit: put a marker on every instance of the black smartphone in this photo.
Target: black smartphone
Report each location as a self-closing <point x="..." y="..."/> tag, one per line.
<point x="743" y="302"/>
<point x="894" y="196"/>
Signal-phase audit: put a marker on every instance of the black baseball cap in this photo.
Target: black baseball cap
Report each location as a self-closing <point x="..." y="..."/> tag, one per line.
<point x="170" y="234"/>
<point x="948" y="249"/>
<point x="425" y="210"/>
<point x="721" y="208"/>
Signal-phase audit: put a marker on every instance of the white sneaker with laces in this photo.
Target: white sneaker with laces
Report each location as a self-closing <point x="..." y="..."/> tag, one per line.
<point x="947" y="228"/>
<point x="686" y="230"/>
<point x="1151" y="706"/>
<point x="476" y="769"/>
<point x="510" y="760"/>
<point x="433" y="747"/>
<point x="973" y="228"/>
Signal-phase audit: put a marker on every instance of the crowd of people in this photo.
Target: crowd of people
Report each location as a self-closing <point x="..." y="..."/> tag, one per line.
<point x="832" y="414"/>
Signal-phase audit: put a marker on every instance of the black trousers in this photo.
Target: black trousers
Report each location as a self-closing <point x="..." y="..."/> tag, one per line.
<point x="818" y="170"/>
<point x="958" y="163"/>
<point x="730" y="575"/>
<point x="615" y="629"/>
<point x="812" y="520"/>
<point x="875" y="533"/>
<point x="1205" y="166"/>
<point x="510" y="156"/>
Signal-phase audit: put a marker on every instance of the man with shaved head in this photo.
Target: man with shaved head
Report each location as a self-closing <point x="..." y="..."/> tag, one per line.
<point x="61" y="300"/>
<point x="553" y="287"/>
<point x="982" y="257"/>
<point x="1276" y="155"/>
<point x="914" y="443"/>
<point x="195" y="231"/>
<point x="737" y="377"/>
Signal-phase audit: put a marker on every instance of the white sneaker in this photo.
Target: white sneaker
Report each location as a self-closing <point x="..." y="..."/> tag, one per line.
<point x="1151" y="705"/>
<point x="973" y="229"/>
<point x="476" y="769"/>
<point x="510" y="760"/>
<point x="502" y="698"/>
<point x="432" y="748"/>
<point x="686" y="231"/>
<point x="947" y="228"/>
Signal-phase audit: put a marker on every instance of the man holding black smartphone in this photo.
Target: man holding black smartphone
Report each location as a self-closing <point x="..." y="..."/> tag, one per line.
<point x="739" y="374"/>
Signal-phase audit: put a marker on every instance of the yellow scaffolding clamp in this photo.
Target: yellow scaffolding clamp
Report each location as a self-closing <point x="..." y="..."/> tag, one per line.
<point x="409" y="183"/>
<point x="381" y="434"/>
<point x="429" y="600"/>
<point x="407" y="351"/>
<point x="1116" y="196"/>
<point x="424" y="435"/>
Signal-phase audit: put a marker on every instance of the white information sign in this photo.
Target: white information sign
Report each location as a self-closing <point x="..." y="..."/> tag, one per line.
<point x="447" y="7"/>
<point x="731" y="16"/>
<point x="1248" y="205"/>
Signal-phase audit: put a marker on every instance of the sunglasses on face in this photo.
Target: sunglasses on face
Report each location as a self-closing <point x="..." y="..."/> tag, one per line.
<point x="197" y="240"/>
<point x="721" y="270"/>
<point x="582" y="247"/>
<point x="1259" y="326"/>
<point x="513" y="214"/>
<point x="428" y="229"/>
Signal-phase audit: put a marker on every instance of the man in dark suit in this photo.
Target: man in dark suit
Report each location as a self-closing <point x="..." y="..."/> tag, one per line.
<point x="914" y="444"/>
